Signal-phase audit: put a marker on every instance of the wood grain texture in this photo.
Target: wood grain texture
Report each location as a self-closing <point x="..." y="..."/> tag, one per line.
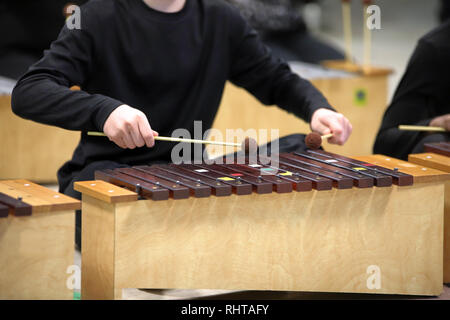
<point x="439" y="162"/>
<point x="340" y="92"/>
<point x="421" y="173"/>
<point x="105" y="191"/>
<point x="35" y="252"/>
<point x="313" y="241"/>
<point x="431" y="160"/>
<point x="40" y="198"/>
<point x="98" y="245"/>
<point x="30" y="150"/>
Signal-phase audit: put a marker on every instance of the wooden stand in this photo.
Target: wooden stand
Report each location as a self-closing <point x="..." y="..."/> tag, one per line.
<point x="36" y="250"/>
<point x="439" y="162"/>
<point x="325" y="241"/>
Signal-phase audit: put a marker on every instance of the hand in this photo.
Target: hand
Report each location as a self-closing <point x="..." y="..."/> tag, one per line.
<point x="129" y="128"/>
<point x="442" y="121"/>
<point x="325" y="121"/>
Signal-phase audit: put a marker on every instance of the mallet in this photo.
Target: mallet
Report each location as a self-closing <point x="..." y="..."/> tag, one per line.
<point x="314" y="140"/>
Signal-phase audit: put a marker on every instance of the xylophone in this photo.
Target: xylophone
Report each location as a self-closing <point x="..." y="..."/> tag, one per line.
<point x="316" y="221"/>
<point x="36" y="241"/>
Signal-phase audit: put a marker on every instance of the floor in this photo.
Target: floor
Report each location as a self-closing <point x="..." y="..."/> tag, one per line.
<point x="402" y="24"/>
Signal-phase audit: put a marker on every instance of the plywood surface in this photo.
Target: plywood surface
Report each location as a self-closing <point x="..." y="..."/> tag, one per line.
<point x="40" y="198"/>
<point x="35" y="253"/>
<point x="323" y="241"/>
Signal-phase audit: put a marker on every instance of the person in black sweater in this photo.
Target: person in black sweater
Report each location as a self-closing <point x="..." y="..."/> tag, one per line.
<point x="422" y="98"/>
<point x="158" y="62"/>
<point x="29" y="26"/>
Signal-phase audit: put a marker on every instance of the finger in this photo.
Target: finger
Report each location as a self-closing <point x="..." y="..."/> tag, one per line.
<point x="119" y="142"/>
<point x="336" y="128"/>
<point x="321" y="128"/>
<point x="128" y="140"/>
<point x="146" y="132"/>
<point x="136" y="136"/>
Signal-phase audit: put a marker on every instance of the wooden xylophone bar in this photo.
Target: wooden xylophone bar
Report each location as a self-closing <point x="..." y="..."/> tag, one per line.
<point x="301" y="172"/>
<point x="442" y="148"/>
<point x="15" y="206"/>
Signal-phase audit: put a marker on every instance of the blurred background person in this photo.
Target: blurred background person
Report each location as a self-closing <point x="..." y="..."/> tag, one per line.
<point x="422" y="98"/>
<point x="28" y="28"/>
<point x="283" y="29"/>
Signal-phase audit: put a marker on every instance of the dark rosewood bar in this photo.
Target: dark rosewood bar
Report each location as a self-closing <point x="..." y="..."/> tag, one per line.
<point x="197" y="189"/>
<point x="380" y="179"/>
<point x="442" y="148"/>
<point x="399" y="178"/>
<point x="359" y="180"/>
<point x="4" y="211"/>
<point x="176" y="191"/>
<point x="141" y="187"/>
<point x="239" y="187"/>
<point x="339" y="181"/>
<point x="18" y="207"/>
<point x="259" y="186"/>
<point x="279" y="185"/>
<point x="219" y="189"/>
<point x="319" y="183"/>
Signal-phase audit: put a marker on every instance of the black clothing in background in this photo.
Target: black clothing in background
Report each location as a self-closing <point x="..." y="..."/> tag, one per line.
<point x="283" y="29"/>
<point x="173" y="67"/>
<point x="27" y="27"/>
<point x="422" y="95"/>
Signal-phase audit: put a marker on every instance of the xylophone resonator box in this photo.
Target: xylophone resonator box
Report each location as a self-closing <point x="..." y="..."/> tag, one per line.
<point x="329" y="224"/>
<point x="36" y="241"/>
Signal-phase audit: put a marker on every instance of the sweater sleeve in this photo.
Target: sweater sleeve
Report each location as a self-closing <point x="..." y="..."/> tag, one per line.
<point x="413" y="104"/>
<point x="268" y="78"/>
<point x="43" y="93"/>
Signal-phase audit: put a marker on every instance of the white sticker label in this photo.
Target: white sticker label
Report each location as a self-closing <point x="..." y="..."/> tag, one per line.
<point x="201" y="170"/>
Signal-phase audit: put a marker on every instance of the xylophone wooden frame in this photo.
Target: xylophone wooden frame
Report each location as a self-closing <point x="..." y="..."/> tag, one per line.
<point x="37" y="247"/>
<point x="325" y="241"/>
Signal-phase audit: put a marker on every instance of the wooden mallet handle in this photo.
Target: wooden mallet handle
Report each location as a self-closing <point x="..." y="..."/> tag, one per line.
<point x="171" y="139"/>
<point x="421" y="128"/>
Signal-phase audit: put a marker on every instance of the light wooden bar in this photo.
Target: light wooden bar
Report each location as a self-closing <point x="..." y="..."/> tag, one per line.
<point x="36" y="250"/>
<point x="323" y="241"/>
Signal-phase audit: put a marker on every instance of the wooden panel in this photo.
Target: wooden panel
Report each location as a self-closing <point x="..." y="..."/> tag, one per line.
<point x="105" y="191"/>
<point x="97" y="281"/>
<point x="431" y="160"/>
<point x="241" y="110"/>
<point x="420" y="173"/>
<point x="30" y="150"/>
<point x="440" y="162"/>
<point x="35" y="253"/>
<point x="40" y="198"/>
<point x="324" y="241"/>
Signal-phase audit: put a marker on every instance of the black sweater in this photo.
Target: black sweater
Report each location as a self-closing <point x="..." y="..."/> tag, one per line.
<point x="423" y="94"/>
<point x="172" y="66"/>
